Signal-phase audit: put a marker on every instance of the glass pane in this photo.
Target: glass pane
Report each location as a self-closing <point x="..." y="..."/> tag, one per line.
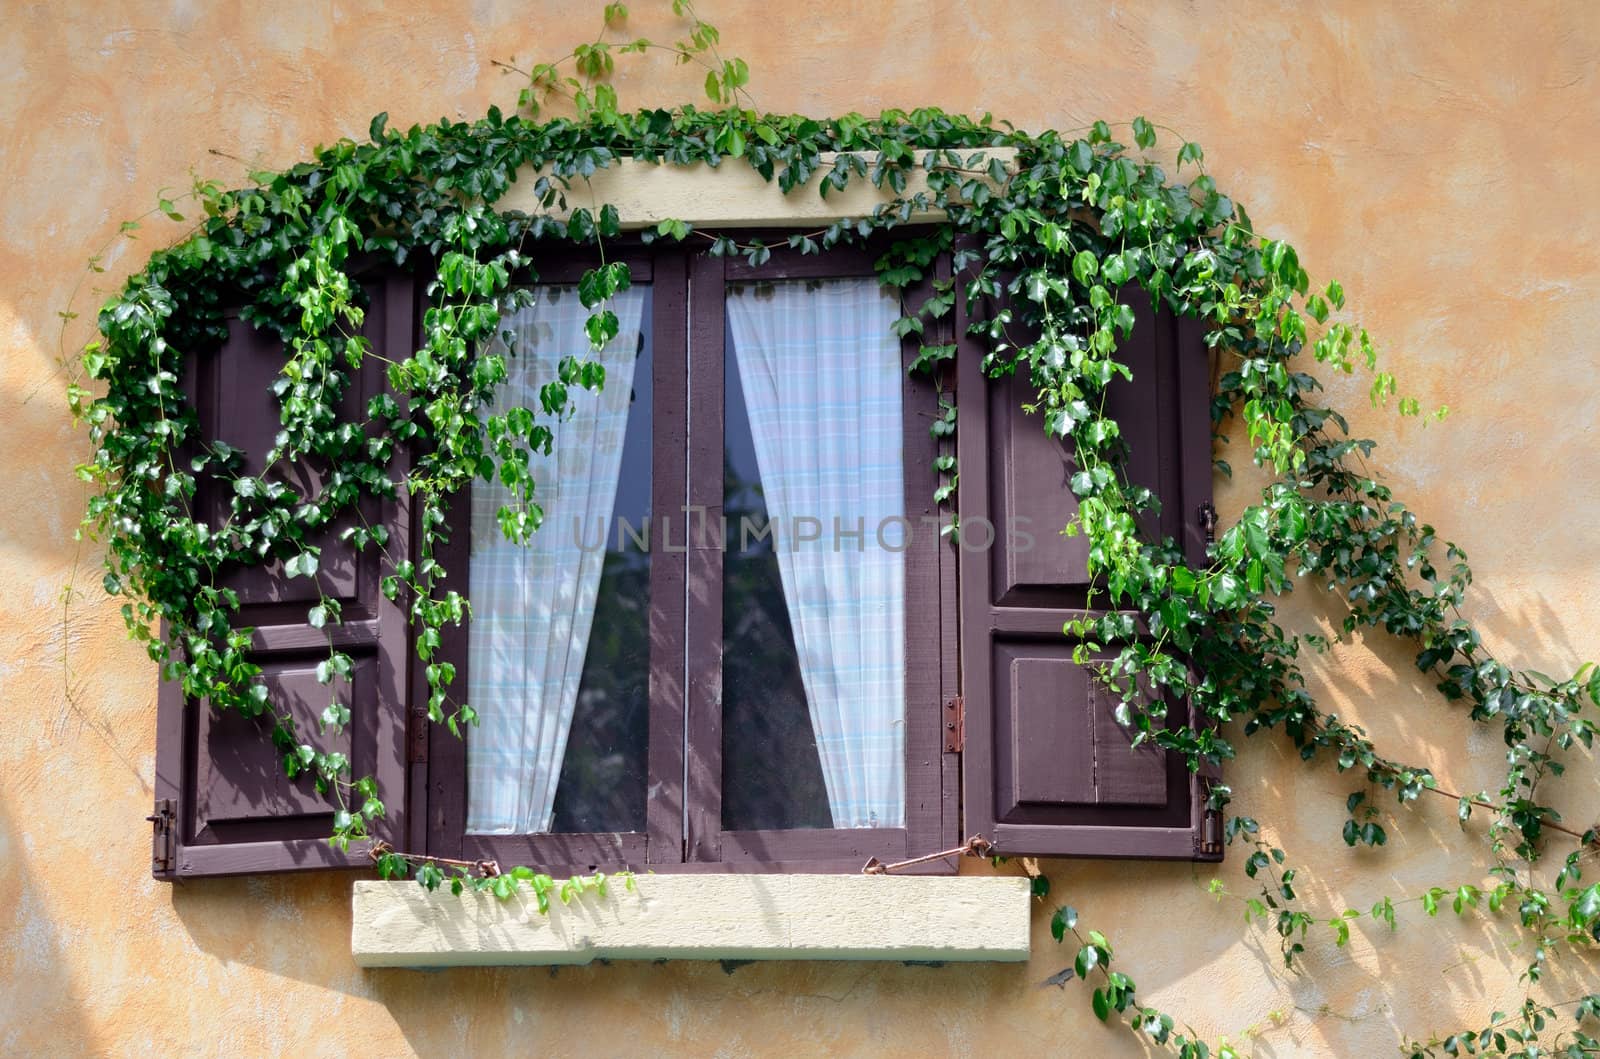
<point x="771" y="774"/>
<point x="813" y="630"/>
<point x="559" y="643"/>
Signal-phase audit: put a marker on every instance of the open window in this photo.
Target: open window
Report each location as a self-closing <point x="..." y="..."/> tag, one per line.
<point x="742" y="639"/>
<point x="717" y="649"/>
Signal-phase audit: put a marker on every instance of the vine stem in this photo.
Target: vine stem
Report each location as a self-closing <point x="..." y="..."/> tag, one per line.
<point x="1591" y="837"/>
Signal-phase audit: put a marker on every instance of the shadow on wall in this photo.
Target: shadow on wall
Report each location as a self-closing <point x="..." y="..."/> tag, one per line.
<point x="1344" y="999"/>
<point x="1403" y="981"/>
<point x="637" y="1008"/>
<point x="41" y="1012"/>
<point x="698" y="1007"/>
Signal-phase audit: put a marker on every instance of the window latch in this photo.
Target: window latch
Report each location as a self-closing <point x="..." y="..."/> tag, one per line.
<point x="164" y="841"/>
<point x="1207" y="514"/>
<point x="976" y="846"/>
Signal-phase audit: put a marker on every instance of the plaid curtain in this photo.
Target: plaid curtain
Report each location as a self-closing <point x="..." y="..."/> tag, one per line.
<point x="532" y="606"/>
<point x="820" y="369"/>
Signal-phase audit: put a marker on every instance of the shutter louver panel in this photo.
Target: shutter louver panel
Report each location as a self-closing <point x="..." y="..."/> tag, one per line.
<point x="1047" y="770"/>
<point x="232" y="809"/>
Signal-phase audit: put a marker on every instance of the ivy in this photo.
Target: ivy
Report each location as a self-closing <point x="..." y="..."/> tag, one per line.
<point x="1051" y="234"/>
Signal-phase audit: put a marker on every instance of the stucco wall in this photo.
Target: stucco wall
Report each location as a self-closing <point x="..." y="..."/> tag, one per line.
<point x="1440" y="162"/>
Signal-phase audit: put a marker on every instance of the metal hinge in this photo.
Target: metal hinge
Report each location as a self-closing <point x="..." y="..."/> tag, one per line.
<point x="955" y="725"/>
<point x="1208" y="843"/>
<point x="417" y="737"/>
<point x="1210" y="840"/>
<point x="164" y="840"/>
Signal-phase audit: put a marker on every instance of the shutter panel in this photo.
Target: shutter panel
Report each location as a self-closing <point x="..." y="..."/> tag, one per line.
<point x="223" y="804"/>
<point x="1046" y="768"/>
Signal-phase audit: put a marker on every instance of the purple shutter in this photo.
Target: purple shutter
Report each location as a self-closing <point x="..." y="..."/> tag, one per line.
<point x="223" y="804"/>
<point x="1046" y="768"/>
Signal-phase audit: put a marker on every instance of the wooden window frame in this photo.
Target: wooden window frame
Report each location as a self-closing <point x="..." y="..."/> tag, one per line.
<point x="228" y="813"/>
<point x="683" y="830"/>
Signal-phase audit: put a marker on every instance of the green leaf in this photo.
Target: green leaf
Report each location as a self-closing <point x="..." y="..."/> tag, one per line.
<point x="1101" y="1004"/>
<point x="1084" y="266"/>
<point x="1587" y="906"/>
<point x="1144" y="134"/>
<point x="1081" y="156"/>
<point x="302" y="565"/>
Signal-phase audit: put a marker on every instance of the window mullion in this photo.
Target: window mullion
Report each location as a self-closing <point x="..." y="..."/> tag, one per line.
<point x="698" y="529"/>
<point x="669" y="484"/>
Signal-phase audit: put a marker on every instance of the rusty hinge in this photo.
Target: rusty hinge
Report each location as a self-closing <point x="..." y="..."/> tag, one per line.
<point x="164" y="840"/>
<point x="1208" y="843"/>
<point x="417" y="737"/>
<point x="955" y="725"/>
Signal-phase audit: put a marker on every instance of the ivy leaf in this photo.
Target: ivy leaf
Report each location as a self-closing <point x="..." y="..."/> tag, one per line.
<point x="601" y="328"/>
<point x="1081" y="156"/>
<point x="1144" y="134"/>
<point x="302" y="565"/>
<point x="1084" y="266"/>
<point x="1587" y="906"/>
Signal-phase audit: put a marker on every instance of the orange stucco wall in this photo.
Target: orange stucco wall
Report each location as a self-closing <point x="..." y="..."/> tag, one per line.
<point x="1440" y="161"/>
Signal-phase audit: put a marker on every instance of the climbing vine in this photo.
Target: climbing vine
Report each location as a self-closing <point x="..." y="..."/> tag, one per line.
<point x="1045" y="230"/>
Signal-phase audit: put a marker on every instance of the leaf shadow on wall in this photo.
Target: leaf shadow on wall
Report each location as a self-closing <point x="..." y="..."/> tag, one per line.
<point x="1439" y="974"/>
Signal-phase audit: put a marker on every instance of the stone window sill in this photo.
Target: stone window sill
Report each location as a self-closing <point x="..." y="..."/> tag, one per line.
<point x="700" y="917"/>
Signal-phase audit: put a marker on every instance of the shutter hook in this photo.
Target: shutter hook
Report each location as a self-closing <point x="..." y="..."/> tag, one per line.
<point x="1208" y="521"/>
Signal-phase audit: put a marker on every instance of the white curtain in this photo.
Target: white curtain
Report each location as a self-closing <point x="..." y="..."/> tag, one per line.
<point x="532" y="605"/>
<point x="821" y="375"/>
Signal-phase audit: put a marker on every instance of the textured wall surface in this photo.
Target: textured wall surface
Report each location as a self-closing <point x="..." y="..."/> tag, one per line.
<point x="1440" y="161"/>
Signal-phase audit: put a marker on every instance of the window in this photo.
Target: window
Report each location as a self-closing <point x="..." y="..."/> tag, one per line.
<point x="716" y="648"/>
<point x="740" y="639"/>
